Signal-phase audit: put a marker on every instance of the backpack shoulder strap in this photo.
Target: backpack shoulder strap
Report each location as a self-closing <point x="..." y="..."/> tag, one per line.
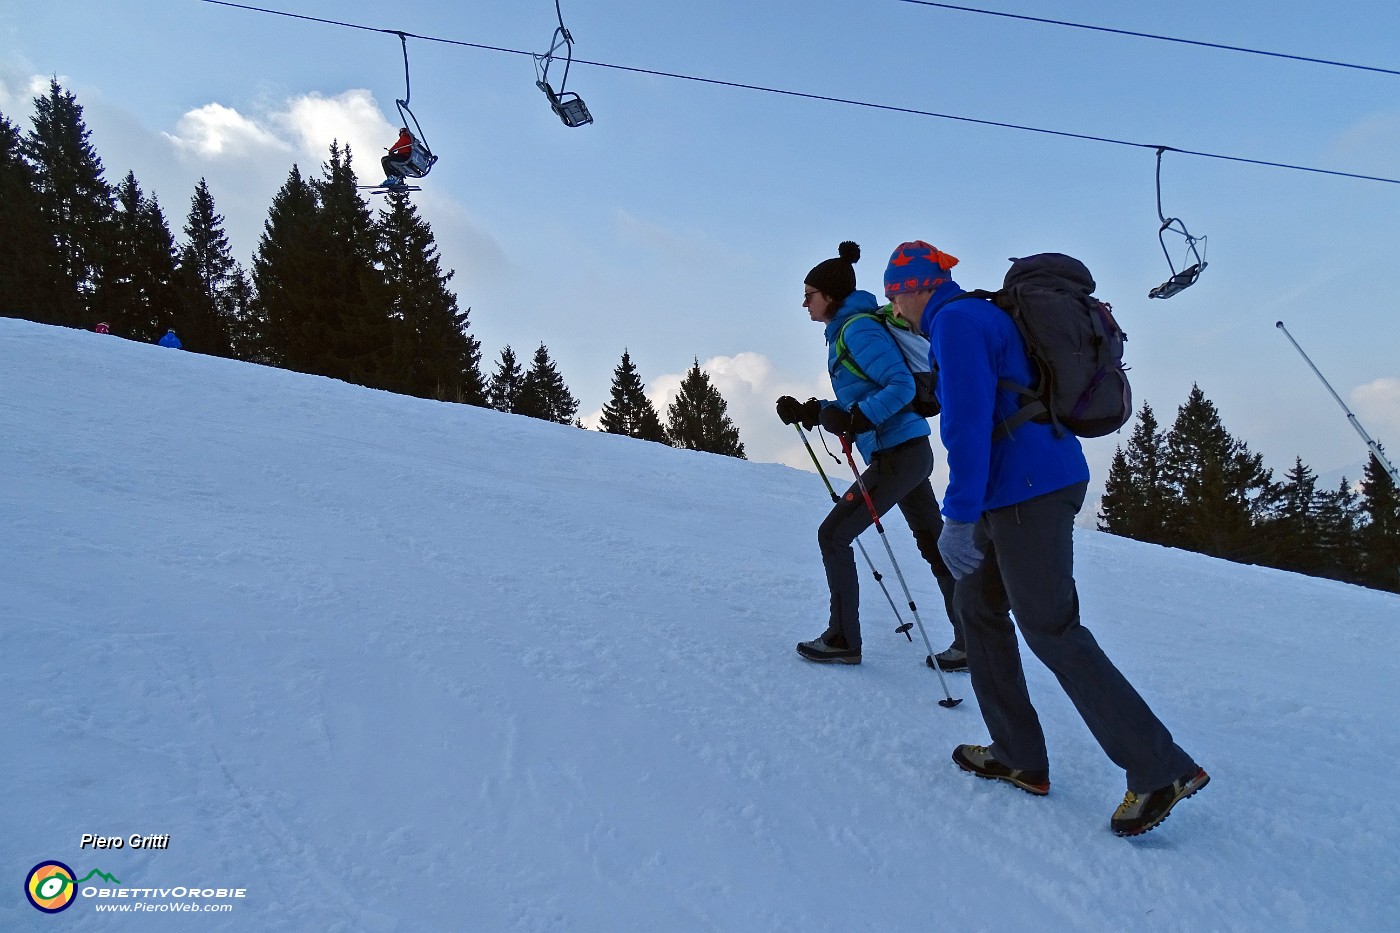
<point x="843" y="352"/>
<point x="1031" y="404"/>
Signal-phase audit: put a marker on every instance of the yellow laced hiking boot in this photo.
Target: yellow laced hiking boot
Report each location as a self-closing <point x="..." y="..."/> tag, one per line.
<point x="1139" y="813"/>
<point x="978" y="760"/>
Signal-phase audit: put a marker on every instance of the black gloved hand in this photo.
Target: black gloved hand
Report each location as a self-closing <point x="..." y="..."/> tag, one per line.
<point x="791" y="411"/>
<point x="845" y="422"/>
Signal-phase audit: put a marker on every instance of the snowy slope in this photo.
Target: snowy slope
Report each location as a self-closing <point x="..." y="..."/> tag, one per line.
<point x="388" y="664"/>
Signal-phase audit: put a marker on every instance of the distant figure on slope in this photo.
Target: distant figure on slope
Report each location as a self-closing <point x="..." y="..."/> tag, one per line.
<point x="1009" y="539"/>
<point x="893" y="440"/>
<point x="398" y="155"/>
<point x="170" y="340"/>
<point x="102" y="328"/>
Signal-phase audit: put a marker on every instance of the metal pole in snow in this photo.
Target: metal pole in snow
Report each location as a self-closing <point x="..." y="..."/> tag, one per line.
<point x="1370" y="443"/>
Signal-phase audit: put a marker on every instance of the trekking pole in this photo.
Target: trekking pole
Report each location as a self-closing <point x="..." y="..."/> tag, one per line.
<point x="947" y="702"/>
<point x="1370" y="444"/>
<point x="903" y="627"/>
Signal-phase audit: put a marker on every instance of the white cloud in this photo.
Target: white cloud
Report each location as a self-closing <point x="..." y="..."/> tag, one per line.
<point x="18" y="90"/>
<point x="214" y="130"/>
<point x="352" y="117"/>
<point x="750" y="384"/>
<point x="1377" y="406"/>
<point x="303" y="127"/>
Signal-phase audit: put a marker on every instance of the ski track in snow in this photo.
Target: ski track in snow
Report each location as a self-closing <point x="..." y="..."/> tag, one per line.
<point x="396" y="665"/>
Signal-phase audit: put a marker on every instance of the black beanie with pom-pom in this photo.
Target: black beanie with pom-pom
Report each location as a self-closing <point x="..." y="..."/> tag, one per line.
<point x="836" y="277"/>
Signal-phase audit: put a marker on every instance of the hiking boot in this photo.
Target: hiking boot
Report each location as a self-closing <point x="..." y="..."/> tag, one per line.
<point x="978" y="759"/>
<point x="828" y="649"/>
<point x="951" y="659"/>
<point x="1139" y="813"/>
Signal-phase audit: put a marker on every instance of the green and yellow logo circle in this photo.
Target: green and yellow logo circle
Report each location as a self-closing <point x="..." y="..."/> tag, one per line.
<point x="50" y="887"/>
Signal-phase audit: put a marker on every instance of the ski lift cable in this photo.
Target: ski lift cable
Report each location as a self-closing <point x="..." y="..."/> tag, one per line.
<point x="890" y="108"/>
<point x="1148" y="35"/>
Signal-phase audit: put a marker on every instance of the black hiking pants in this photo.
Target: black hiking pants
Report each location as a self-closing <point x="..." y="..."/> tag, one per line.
<point x="1029" y="568"/>
<point x="897" y="476"/>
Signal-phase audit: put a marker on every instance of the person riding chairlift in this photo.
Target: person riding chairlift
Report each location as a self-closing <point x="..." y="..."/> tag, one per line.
<point x="399" y="154"/>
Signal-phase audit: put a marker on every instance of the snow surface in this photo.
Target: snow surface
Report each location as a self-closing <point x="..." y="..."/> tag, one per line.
<point x="390" y="664"/>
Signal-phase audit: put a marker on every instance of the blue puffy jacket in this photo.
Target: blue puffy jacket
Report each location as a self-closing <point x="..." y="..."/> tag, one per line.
<point x="170" y="340"/>
<point x="973" y="343"/>
<point x="885" y="395"/>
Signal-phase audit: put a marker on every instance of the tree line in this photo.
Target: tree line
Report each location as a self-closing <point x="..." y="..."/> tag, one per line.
<point x="332" y="290"/>
<point x="1197" y="487"/>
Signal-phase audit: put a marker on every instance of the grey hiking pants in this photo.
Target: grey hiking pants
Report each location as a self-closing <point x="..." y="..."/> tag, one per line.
<point x="897" y="476"/>
<point x="1030" y="567"/>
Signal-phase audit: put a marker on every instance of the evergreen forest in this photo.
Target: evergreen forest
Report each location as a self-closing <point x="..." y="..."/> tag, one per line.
<point x="333" y="289"/>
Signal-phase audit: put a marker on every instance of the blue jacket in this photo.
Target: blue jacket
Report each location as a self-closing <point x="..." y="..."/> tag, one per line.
<point x="170" y="340"/>
<point x="883" y="397"/>
<point x="973" y="343"/>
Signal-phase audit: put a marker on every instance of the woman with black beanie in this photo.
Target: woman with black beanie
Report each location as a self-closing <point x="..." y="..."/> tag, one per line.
<point x="873" y="388"/>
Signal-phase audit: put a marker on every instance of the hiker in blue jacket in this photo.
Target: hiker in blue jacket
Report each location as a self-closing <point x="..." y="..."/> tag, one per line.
<point x="1008" y="537"/>
<point x="170" y="340"/>
<point x="893" y="440"/>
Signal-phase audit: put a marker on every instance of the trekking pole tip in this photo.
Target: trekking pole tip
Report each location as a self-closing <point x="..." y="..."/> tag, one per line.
<point x="949" y="703"/>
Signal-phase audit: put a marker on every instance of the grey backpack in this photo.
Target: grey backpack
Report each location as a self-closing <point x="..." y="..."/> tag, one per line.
<point x="1075" y="347"/>
<point x="912" y="345"/>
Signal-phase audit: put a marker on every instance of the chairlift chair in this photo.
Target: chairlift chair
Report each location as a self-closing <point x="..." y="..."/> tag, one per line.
<point x="420" y="159"/>
<point x="1179" y="281"/>
<point x="567" y="105"/>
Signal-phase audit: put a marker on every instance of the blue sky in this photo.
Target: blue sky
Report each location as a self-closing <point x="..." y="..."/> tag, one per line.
<point x="681" y="223"/>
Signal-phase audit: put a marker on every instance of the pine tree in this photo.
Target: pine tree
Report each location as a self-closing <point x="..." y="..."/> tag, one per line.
<point x="136" y="291"/>
<point x="1293" y="529"/>
<point x="32" y="281"/>
<point x="543" y="394"/>
<point x="322" y="302"/>
<point x="1338" y="513"/>
<point x="285" y="270"/>
<point x="1380" y="536"/>
<point x="212" y="280"/>
<point x="351" y="307"/>
<point x="435" y="356"/>
<point x="507" y="382"/>
<point x="248" y="333"/>
<point x="697" y="419"/>
<point x="629" y="411"/>
<point x="1219" y="489"/>
<point x="1135" y="494"/>
<point x="72" y="193"/>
